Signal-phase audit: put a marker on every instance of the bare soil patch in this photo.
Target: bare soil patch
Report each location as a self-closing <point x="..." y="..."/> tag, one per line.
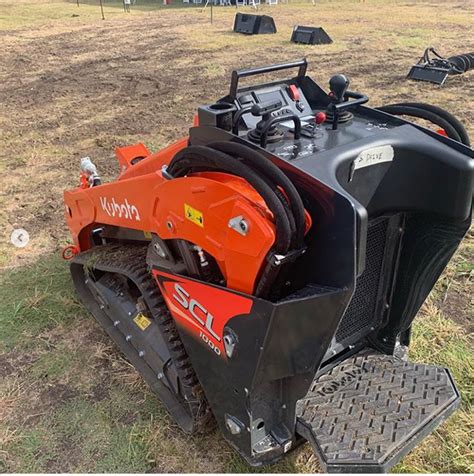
<point x="77" y="86"/>
<point x="82" y="86"/>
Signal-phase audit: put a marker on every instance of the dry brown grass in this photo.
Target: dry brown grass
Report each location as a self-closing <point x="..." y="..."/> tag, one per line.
<point x="76" y="86"/>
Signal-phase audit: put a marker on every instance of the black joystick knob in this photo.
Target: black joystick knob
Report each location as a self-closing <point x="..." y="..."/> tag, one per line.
<point x="335" y="112"/>
<point x="338" y="85"/>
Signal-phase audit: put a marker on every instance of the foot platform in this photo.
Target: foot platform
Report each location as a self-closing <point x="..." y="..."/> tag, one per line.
<point x="369" y="411"/>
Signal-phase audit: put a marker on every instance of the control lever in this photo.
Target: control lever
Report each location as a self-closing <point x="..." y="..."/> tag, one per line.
<point x="295" y="96"/>
<point x="312" y="129"/>
<point x="269" y="125"/>
<point x="266" y="129"/>
<point x="337" y="110"/>
<point x="338" y="85"/>
<point x="265" y="109"/>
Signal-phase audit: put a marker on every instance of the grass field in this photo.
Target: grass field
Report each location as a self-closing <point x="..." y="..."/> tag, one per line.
<point x="72" y="85"/>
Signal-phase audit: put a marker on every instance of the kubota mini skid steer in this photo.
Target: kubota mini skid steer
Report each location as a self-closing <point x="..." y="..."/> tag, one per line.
<point x="265" y="271"/>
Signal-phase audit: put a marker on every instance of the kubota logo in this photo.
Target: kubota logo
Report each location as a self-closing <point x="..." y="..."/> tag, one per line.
<point x="121" y="210"/>
<point x="199" y="313"/>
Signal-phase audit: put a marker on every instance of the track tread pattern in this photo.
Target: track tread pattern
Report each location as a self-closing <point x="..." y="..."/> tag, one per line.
<point x="130" y="260"/>
<point x="370" y="406"/>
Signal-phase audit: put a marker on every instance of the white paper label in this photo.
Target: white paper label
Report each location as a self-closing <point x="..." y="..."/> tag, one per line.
<point x="376" y="155"/>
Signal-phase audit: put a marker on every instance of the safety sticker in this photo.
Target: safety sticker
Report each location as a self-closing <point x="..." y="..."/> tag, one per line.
<point x="193" y="215"/>
<point x="147" y="235"/>
<point x="141" y="321"/>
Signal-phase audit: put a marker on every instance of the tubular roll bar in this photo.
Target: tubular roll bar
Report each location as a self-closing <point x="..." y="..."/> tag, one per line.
<point x="301" y="64"/>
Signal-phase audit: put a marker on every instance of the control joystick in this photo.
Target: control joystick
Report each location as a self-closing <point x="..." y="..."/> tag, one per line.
<point x="338" y="86"/>
<point x="265" y="110"/>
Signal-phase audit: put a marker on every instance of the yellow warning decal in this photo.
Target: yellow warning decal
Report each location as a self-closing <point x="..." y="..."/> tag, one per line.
<point x="141" y="321"/>
<point x="147" y="235"/>
<point x="193" y="215"/>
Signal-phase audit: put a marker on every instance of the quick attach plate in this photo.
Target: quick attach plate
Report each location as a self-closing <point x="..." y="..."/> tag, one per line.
<point x="369" y="411"/>
<point x="428" y="73"/>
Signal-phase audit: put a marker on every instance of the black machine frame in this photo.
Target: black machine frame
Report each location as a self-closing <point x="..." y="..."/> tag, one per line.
<point x="287" y="342"/>
<point x="381" y="237"/>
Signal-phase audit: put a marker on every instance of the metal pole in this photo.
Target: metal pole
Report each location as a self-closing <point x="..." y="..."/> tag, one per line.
<point x="77" y="2"/>
<point x="211" y="11"/>
<point x="102" y="10"/>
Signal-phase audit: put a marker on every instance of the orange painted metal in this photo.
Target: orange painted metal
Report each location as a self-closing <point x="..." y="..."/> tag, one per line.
<point x="69" y="252"/>
<point x="141" y="199"/>
<point x="149" y="203"/>
<point x="126" y="155"/>
<point x="155" y="161"/>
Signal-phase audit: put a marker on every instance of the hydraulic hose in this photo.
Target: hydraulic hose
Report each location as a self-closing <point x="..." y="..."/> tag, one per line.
<point x="270" y="182"/>
<point x="402" y="110"/>
<point x="279" y="194"/>
<point x="206" y="158"/>
<point x="460" y="129"/>
<point x="261" y="164"/>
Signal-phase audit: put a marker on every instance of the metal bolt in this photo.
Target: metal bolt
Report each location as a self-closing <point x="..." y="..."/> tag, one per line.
<point x="102" y="306"/>
<point x="116" y="323"/>
<point x="128" y="338"/>
<point x="129" y="313"/>
<point x="141" y="353"/>
<point x="169" y="225"/>
<point x="278" y="260"/>
<point x="160" y="376"/>
<point x="86" y="281"/>
<point x="239" y="224"/>
<point x="230" y="342"/>
<point x="159" y="250"/>
<point x="233" y="425"/>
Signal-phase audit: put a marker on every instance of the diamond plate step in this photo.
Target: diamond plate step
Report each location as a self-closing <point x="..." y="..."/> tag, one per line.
<point x="369" y="411"/>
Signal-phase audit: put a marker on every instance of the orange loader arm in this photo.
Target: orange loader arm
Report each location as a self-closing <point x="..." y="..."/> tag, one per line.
<point x="198" y="208"/>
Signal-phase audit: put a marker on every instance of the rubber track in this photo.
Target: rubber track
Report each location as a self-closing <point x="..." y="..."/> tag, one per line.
<point x="130" y="260"/>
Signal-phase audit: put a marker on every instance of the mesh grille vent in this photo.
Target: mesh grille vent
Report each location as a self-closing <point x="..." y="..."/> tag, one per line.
<point x="360" y="315"/>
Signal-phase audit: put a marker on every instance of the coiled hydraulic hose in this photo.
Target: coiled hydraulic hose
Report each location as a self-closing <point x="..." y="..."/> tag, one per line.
<point x="434" y="114"/>
<point x="205" y="158"/>
<point x="257" y="161"/>
<point x="267" y="179"/>
<point x="454" y="122"/>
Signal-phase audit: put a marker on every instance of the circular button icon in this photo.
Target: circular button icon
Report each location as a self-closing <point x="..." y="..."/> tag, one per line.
<point x="19" y="238"/>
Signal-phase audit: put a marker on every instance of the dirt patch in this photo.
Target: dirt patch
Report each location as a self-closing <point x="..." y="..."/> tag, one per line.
<point x="15" y="363"/>
<point x="69" y="90"/>
<point x="100" y="392"/>
<point x="67" y="446"/>
<point x="72" y="89"/>
<point x="458" y="305"/>
<point x="6" y="368"/>
<point x="80" y="86"/>
<point x="57" y="394"/>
